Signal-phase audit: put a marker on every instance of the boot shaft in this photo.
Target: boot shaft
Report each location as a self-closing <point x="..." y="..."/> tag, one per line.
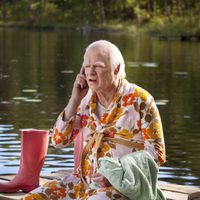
<point x="34" y="145"/>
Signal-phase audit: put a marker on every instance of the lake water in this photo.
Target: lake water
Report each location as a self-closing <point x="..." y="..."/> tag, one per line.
<point x="37" y="69"/>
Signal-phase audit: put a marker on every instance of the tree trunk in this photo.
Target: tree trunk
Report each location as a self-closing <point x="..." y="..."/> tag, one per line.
<point x="4" y="13"/>
<point x="167" y="11"/>
<point x="189" y="10"/>
<point x="102" y="10"/>
<point x="31" y="15"/>
<point x="138" y="14"/>
<point x="44" y="2"/>
<point x="150" y="6"/>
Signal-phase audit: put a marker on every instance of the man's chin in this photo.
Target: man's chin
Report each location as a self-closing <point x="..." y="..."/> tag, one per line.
<point x="93" y="88"/>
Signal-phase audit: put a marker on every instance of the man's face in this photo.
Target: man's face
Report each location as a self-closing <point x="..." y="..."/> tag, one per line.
<point x="98" y="70"/>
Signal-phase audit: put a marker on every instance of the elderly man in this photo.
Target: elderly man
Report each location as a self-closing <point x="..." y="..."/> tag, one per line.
<point x="114" y="117"/>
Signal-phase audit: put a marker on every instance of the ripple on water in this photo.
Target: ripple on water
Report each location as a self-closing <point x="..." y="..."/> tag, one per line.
<point x="12" y="163"/>
<point x="67" y="71"/>
<point x="179" y="173"/>
<point x="10" y="142"/>
<point x="181" y="73"/>
<point x="9" y="170"/>
<point x="29" y="90"/>
<point x="161" y="102"/>
<point x="6" y="102"/>
<point x="141" y="64"/>
<point x="59" y="156"/>
<point x="6" y="127"/>
<point x="60" y="164"/>
<point x="19" y="98"/>
<point x="33" y="100"/>
<point x="11" y="153"/>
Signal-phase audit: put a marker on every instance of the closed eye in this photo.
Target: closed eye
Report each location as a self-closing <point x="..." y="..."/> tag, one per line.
<point x="98" y="66"/>
<point x="95" y="66"/>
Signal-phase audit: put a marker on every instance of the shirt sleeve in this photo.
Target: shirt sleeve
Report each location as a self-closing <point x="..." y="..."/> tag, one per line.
<point x="152" y="131"/>
<point x="64" y="132"/>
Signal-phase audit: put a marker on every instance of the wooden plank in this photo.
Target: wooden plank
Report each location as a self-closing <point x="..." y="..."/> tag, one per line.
<point x="7" y="177"/>
<point x="171" y="195"/>
<point x="9" y="196"/>
<point x="171" y="191"/>
<point x="17" y="195"/>
<point x="192" y="193"/>
<point x="57" y="175"/>
<point x="179" y="188"/>
<point x="194" y="196"/>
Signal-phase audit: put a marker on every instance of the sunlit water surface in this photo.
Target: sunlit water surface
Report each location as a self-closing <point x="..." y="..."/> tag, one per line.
<point x="37" y="69"/>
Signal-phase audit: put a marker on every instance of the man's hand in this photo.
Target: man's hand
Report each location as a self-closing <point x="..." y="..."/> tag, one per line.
<point x="80" y="87"/>
<point x="101" y="180"/>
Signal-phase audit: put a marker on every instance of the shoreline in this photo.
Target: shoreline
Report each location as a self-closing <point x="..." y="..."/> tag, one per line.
<point x="74" y="27"/>
<point x="114" y="28"/>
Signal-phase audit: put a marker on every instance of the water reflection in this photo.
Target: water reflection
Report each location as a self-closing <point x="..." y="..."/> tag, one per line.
<point x="37" y="70"/>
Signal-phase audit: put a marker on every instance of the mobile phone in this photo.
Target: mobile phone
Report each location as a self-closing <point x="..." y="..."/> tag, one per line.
<point x="83" y="73"/>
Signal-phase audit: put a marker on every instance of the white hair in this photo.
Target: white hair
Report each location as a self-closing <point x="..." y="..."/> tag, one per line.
<point x="115" y="55"/>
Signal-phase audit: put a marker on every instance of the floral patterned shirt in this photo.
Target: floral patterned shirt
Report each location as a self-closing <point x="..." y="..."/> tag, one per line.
<point x="132" y="116"/>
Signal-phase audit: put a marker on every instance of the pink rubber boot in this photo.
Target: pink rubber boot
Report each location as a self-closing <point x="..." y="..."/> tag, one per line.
<point x="34" y="144"/>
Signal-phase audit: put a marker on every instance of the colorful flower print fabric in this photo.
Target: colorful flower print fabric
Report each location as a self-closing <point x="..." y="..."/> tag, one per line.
<point x="132" y="116"/>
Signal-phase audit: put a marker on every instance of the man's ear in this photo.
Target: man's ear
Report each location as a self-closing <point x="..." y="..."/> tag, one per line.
<point x="116" y="71"/>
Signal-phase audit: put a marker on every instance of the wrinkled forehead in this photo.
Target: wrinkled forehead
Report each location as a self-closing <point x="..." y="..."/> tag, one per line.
<point x="98" y="51"/>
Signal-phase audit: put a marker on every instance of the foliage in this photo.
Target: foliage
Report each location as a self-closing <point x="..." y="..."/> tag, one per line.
<point x="160" y="16"/>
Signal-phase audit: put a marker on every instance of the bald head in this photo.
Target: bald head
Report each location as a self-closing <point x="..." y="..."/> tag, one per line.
<point x="111" y="52"/>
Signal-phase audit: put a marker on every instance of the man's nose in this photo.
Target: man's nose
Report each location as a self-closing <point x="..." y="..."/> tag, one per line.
<point x="91" y="70"/>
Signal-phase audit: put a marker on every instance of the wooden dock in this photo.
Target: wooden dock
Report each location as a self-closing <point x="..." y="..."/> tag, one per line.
<point x="171" y="191"/>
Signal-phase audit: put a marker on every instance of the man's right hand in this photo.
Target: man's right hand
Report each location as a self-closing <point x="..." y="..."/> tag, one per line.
<point x="80" y="87"/>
